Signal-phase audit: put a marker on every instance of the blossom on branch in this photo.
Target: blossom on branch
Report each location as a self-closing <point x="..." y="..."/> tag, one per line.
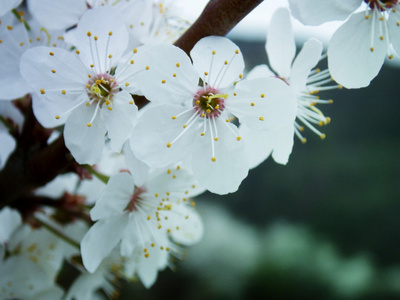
<point x="193" y="122"/>
<point x="358" y="48"/>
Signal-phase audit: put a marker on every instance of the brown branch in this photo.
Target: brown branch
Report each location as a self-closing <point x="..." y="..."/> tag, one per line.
<point x="217" y="18"/>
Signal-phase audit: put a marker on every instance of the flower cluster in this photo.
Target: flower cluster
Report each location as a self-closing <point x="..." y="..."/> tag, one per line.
<point x="77" y="72"/>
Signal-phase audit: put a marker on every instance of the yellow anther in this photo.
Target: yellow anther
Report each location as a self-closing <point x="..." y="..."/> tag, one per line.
<point x="238" y="138"/>
<point x="213" y="159"/>
<point x="126" y="83"/>
<point x="367" y="17"/>
<point x="53" y="71"/>
<point x="301" y="128"/>
<point x="381" y="37"/>
<point x="87" y="104"/>
<point x="227" y="120"/>
<point x="206" y="73"/>
<point x="330" y="101"/>
<point x="372" y="49"/>
<point x="98" y="81"/>
<point x="145" y="250"/>
<point x="390" y="56"/>
<point x="38" y="39"/>
<point x="178" y="65"/>
<point x="167" y="193"/>
<point x="261" y="118"/>
<point x="109" y="56"/>
<point x="110" y="33"/>
<point x="96" y="37"/>
<point x="226" y="62"/>
<point x="167" y="249"/>
<point x="161" y="248"/>
<point x="109" y="108"/>
<point x="9" y="27"/>
<point x="240" y="76"/>
<point x="88" y="86"/>
<point x="322" y="136"/>
<point x="381" y="18"/>
<point x="89" y="124"/>
<point x="202" y="115"/>
<point x="213" y="52"/>
<point x="202" y="134"/>
<point x="163" y="81"/>
<point x="57" y="117"/>
<point x="152" y="244"/>
<point x="208" y="111"/>
<point x="304" y="140"/>
<point x="42" y="91"/>
<point x="237" y="51"/>
<point x="320" y="123"/>
<point x="168" y="230"/>
<point x="89" y="33"/>
<point x="132" y="61"/>
<point x="184" y="126"/>
<point x="51" y="53"/>
<point x="187" y="217"/>
<point x="159" y="226"/>
<point x="197" y="102"/>
<point x="327" y="120"/>
<point x="131" y="102"/>
<point x="108" y="102"/>
<point x="234" y="94"/>
<point x="21" y="44"/>
<point x="90" y="76"/>
<point x="340" y="86"/>
<point x="63" y="92"/>
<point x="142" y="23"/>
<point x="77" y="51"/>
<point x="169" y="171"/>
<point x="174" y="75"/>
<point x="147" y="67"/>
<point x="168" y="145"/>
<point x="146" y="255"/>
<point x="156" y="195"/>
<point x="216" y="139"/>
<point x="173" y="117"/>
<point x="173" y="176"/>
<point x="134" y="50"/>
<point x="252" y="103"/>
<point x="262" y="95"/>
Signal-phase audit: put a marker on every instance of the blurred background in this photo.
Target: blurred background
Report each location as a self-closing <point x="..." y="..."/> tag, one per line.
<point x="325" y="226"/>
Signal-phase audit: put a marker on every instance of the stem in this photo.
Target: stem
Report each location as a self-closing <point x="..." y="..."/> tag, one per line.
<point x="58" y="233"/>
<point x="102" y="177"/>
<point x="217" y="18"/>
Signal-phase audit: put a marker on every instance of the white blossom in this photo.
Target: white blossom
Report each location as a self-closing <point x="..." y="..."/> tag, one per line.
<point x="358" y="48"/>
<point x="194" y="123"/>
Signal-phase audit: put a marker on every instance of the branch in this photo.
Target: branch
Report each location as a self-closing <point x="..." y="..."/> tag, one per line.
<point x="217" y="18"/>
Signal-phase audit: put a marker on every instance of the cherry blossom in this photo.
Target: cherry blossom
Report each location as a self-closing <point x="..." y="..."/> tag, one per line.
<point x="298" y="75"/>
<point x="194" y="123"/>
<point x="87" y="89"/>
<point x="141" y="220"/>
<point x="358" y="48"/>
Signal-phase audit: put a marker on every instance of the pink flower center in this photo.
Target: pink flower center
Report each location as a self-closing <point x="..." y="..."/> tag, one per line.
<point x="209" y="102"/>
<point x="132" y="205"/>
<point x="381" y="5"/>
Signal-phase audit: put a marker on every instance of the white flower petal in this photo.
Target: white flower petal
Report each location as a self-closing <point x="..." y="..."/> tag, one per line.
<point x="261" y="143"/>
<point x="280" y="45"/>
<point x="120" y="120"/>
<point x="225" y="174"/>
<point x="394" y="30"/>
<point x="260" y="71"/>
<point x="7" y="146"/>
<point x="57" y="14"/>
<point x="8" y="5"/>
<point x="190" y="226"/>
<point x="155" y="129"/>
<point x="350" y="59"/>
<point x="115" y="198"/>
<point x="10" y="220"/>
<point x="224" y="67"/>
<point x="304" y="62"/>
<point x="168" y="75"/>
<point x="263" y="103"/>
<point x="100" y="240"/>
<point x="316" y="12"/>
<point x="107" y="24"/>
<point x="85" y="143"/>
